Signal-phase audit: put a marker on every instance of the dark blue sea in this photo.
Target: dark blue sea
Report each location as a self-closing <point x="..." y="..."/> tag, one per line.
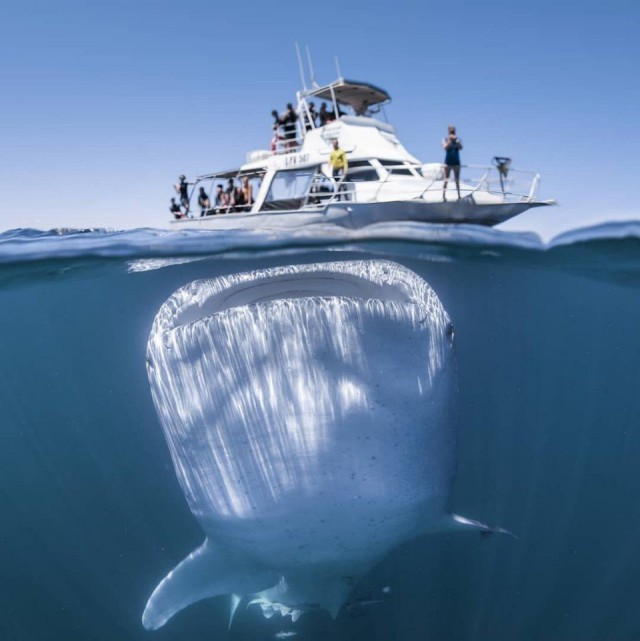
<point x="548" y="364"/>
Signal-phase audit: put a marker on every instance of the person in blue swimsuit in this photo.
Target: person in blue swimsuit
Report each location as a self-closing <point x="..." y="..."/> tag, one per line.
<point x="452" y="146"/>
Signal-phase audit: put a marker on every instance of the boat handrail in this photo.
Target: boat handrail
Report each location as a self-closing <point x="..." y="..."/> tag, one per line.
<point x="490" y="176"/>
<point x="324" y="190"/>
<point x="344" y="189"/>
<point x="390" y="169"/>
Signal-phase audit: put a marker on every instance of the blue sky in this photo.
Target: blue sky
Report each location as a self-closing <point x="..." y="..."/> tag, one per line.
<point x="105" y="103"/>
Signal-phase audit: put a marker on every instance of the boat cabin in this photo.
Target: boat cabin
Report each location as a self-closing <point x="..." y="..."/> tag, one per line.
<point x="294" y="174"/>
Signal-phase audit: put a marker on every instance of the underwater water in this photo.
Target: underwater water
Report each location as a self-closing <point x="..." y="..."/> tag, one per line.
<point x="95" y="511"/>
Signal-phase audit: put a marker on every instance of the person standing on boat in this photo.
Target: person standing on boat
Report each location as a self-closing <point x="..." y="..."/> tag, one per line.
<point x="183" y="191"/>
<point x="452" y="146"/>
<point x="323" y="115"/>
<point x="277" y="121"/>
<point x="339" y="164"/>
<point x="203" y="201"/>
<point x="310" y="115"/>
<point x="289" y="119"/>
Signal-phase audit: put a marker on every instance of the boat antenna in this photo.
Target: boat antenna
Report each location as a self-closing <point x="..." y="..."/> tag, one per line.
<point x="312" y="74"/>
<point x="338" y="67"/>
<point x="304" y="82"/>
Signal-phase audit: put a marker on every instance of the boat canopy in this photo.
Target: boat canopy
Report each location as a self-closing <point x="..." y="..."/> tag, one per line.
<point x="360" y="96"/>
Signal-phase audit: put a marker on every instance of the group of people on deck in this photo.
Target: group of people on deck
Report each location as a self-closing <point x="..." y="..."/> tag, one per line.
<point x="284" y="128"/>
<point x="233" y="198"/>
<point x="285" y="124"/>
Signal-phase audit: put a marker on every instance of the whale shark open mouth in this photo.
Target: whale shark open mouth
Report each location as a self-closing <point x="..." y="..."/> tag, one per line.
<point x="380" y="280"/>
<point x="306" y="409"/>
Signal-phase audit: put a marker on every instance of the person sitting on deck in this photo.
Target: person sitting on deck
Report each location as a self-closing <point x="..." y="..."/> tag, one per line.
<point x="217" y="201"/>
<point x="247" y="192"/>
<point x="174" y="208"/>
<point x="203" y="201"/>
<point x="230" y="195"/>
<point x="225" y="202"/>
<point x="238" y="199"/>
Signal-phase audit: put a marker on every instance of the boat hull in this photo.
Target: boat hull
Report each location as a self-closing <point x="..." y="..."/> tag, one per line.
<point x="459" y="211"/>
<point x="356" y="215"/>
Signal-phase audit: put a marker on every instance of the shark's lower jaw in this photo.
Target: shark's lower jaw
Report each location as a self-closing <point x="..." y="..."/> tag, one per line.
<point x="307" y="411"/>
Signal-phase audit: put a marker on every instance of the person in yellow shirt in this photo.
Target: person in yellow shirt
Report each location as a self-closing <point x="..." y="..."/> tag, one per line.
<point x="338" y="163"/>
<point x="338" y="160"/>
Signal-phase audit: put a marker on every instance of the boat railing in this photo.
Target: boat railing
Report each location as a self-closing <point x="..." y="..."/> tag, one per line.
<point x="515" y="184"/>
<point x="321" y="192"/>
<point x="286" y="139"/>
<point x="392" y="172"/>
<point x="476" y="181"/>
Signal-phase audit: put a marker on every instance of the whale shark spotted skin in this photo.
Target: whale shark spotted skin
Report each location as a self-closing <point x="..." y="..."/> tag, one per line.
<point x="309" y="413"/>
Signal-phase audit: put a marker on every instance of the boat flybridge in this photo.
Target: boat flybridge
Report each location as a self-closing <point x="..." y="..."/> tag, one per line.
<point x="291" y="184"/>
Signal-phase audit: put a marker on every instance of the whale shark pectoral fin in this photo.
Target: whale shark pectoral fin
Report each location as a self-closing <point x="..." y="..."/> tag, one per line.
<point x="233" y="607"/>
<point x="208" y="571"/>
<point x="457" y="523"/>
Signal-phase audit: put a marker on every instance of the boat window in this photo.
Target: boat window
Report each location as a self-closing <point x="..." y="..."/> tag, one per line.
<point x="396" y="167"/>
<point x="359" y="163"/>
<point x="288" y="189"/>
<point x="362" y="175"/>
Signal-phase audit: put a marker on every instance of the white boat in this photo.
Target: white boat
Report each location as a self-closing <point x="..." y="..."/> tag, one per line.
<point x="291" y="183"/>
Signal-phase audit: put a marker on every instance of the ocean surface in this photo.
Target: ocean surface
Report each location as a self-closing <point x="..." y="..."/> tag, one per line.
<point x="548" y="361"/>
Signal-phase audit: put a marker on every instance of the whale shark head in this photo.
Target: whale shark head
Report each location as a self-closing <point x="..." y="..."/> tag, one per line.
<point x="308" y="412"/>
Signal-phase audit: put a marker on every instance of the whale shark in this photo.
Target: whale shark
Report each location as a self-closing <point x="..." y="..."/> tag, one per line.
<point x="310" y="414"/>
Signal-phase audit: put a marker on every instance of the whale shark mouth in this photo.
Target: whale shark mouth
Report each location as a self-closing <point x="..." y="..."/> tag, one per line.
<point x="301" y="405"/>
<point x="380" y="280"/>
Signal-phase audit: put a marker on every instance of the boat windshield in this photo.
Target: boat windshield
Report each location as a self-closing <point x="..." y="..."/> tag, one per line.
<point x="288" y="189"/>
